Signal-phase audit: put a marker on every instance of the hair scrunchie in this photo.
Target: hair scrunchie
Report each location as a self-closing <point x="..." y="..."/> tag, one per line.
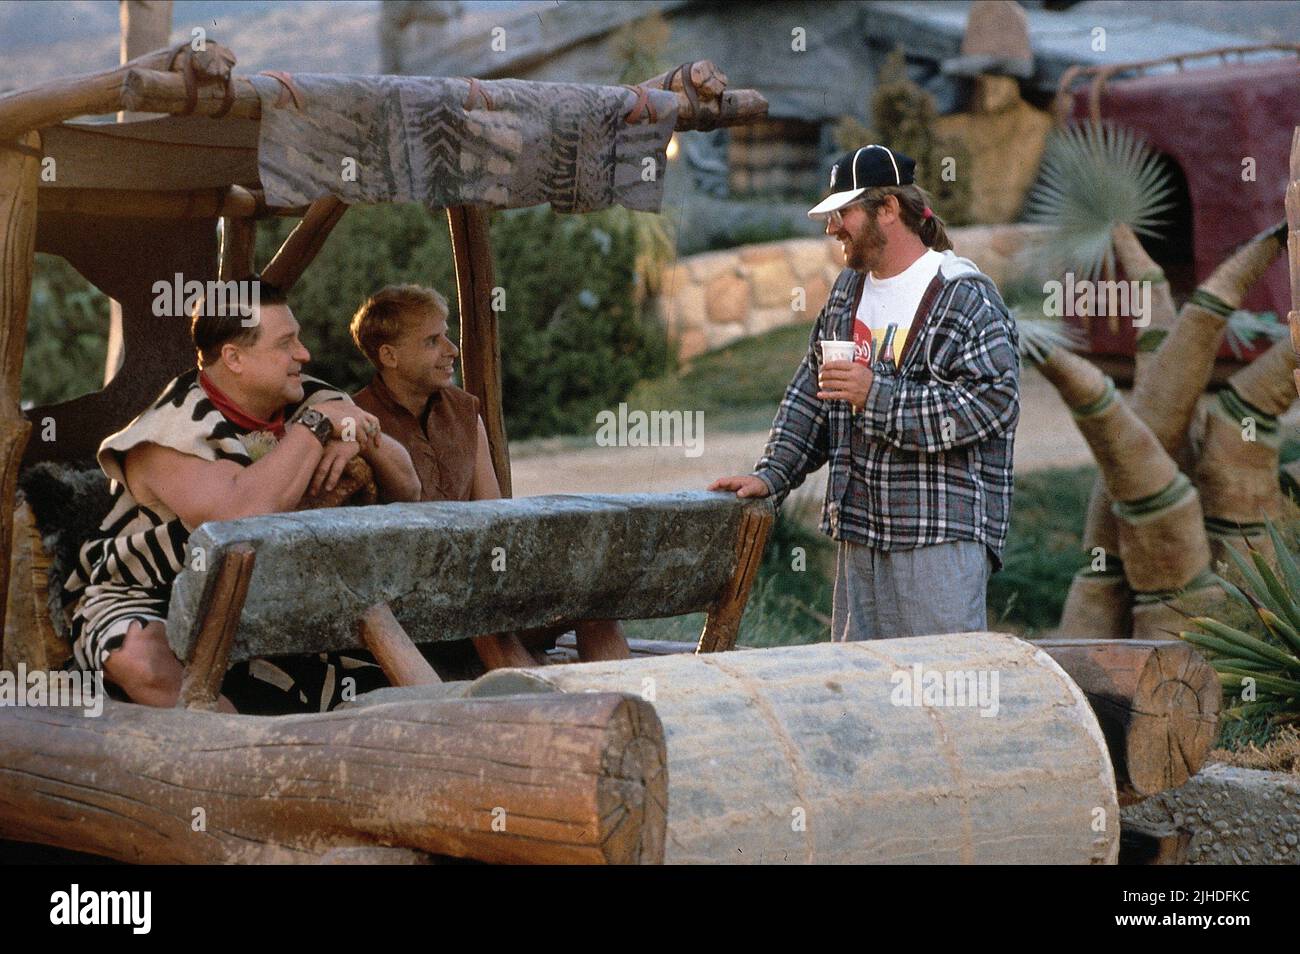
<point x="928" y="213"/>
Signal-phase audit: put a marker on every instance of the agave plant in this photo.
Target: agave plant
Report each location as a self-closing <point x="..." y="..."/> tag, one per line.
<point x="1093" y="177"/>
<point x="1039" y="336"/>
<point x="1261" y="674"/>
<point x="1246" y="328"/>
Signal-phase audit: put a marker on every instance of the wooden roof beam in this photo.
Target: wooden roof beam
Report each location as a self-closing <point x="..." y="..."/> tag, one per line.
<point x="159" y="92"/>
<point x="97" y="93"/>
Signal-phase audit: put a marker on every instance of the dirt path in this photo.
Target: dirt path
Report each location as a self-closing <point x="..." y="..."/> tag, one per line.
<point x="1045" y="438"/>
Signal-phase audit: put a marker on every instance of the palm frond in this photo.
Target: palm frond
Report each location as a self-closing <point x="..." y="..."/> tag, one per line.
<point x="1039" y="336"/>
<point x="1247" y="327"/>
<point x="1093" y="177"/>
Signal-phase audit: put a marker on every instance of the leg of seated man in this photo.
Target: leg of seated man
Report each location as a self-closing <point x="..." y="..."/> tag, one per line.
<point x="147" y="670"/>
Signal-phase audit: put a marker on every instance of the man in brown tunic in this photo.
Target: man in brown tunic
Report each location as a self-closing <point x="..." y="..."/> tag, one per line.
<point x="402" y="330"/>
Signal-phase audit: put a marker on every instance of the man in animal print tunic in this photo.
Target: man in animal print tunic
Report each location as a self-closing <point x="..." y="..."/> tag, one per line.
<point x="242" y="434"/>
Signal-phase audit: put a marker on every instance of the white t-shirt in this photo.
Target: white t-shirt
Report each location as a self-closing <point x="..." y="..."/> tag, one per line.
<point x="892" y="301"/>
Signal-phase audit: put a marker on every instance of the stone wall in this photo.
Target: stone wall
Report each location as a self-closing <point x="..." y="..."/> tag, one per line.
<point x="1236" y="815"/>
<point x="712" y="299"/>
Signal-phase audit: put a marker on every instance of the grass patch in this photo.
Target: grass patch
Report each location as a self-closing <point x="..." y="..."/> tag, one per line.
<point x="790" y="603"/>
<point x="738" y="387"/>
<point x="791" y="606"/>
<point x="1044" y="549"/>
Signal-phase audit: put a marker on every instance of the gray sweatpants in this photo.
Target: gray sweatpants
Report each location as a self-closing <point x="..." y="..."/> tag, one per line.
<point x="882" y="594"/>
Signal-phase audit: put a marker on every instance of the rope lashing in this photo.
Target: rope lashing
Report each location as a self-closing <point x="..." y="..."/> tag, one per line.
<point x="290" y="93"/>
<point x="642" y="105"/>
<point x="476" y="90"/>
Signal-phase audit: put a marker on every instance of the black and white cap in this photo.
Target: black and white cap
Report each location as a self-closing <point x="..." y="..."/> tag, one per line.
<point x="856" y="172"/>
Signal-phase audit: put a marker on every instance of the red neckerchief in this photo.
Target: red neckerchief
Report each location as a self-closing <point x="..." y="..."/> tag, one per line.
<point x="237" y="417"/>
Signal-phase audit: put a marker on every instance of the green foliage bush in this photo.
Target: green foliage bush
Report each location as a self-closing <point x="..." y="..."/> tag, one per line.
<point x="573" y="336"/>
<point x="904" y="117"/>
<point x="67" y="334"/>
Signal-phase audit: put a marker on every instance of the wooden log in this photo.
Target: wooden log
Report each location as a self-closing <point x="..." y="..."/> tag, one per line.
<point x="375" y="855"/>
<point x="1157" y="702"/>
<point x="1143" y="843"/>
<point x="392" y="648"/>
<point x="480" y="343"/>
<point x="231" y="202"/>
<point x="19" y="170"/>
<point x="29" y="636"/>
<point x="811" y="753"/>
<point x="97" y="93"/>
<point x="544" y="779"/>
<point x="238" y="244"/>
<point x="722" y="625"/>
<point x="160" y="92"/>
<point x="709" y="81"/>
<point x="503" y="651"/>
<point x="223" y="601"/>
<point x="145" y="26"/>
<point x="304" y="242"/>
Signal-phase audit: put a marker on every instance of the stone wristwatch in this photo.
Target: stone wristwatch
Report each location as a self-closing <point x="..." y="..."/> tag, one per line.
<point x="318" y="424"/>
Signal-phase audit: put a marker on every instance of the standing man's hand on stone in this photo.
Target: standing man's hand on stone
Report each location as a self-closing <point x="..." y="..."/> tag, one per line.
<point x="745" y="485"/>
<point x="845" y="381"/>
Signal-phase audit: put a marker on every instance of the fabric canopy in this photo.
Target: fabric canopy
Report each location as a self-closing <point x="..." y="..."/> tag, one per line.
<point x="371" y="139"/>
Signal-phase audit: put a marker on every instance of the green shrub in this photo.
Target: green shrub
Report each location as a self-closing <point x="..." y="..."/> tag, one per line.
<point x="67" y="334"/>
<point x="753" y="233"/>
<point x="1259" y="668"/>
<point x="573" y="336"/>
<point x="904" y="118"/>
<point x="1043" y="550"/>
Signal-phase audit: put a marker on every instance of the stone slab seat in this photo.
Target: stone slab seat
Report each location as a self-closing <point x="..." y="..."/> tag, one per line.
<point x="455" y="570"/>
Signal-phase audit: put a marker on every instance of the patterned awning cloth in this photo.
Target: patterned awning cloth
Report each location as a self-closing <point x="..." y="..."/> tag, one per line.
<point x="371" y="139"/>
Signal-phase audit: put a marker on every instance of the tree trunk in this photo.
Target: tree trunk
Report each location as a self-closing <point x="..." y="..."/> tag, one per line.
<point x="19" y="168"/>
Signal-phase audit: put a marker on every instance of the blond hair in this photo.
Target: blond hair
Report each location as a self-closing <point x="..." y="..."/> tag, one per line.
<point x="380" y="320"/>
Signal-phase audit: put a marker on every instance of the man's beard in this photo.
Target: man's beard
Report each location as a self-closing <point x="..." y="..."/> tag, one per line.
<point x="864" y="250"/>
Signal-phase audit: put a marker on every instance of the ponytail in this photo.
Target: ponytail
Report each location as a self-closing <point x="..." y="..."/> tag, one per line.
<point x="914" y="209"/>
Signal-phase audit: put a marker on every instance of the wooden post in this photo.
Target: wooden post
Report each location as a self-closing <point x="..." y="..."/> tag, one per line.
<point x="722" y="624"/>
<point x="1157" y="702"/>
<point x="145" y="25"/>
<point x="307" y="238"/>
<point x="397" y="656"/>
<point x="480" y="344"/>
<point x="223" y="601"/>
<point x="542" y="779"/>
<point x="238" y="243"/>
<point x="20" y="164"/>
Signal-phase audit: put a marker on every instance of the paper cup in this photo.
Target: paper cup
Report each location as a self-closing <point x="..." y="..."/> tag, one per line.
<point x="837" y="351"/>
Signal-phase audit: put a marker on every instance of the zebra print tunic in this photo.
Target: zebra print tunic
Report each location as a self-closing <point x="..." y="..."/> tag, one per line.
<point x="127" y="573"/>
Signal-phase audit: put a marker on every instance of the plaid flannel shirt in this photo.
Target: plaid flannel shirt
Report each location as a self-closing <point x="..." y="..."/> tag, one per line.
<point x="929" y="458"/>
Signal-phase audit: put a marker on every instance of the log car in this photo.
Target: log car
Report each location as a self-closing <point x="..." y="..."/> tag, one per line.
<point x="776" y="755"/>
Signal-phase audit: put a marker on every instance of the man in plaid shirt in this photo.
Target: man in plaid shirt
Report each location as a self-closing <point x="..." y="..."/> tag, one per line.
<point x="917" y="428"/>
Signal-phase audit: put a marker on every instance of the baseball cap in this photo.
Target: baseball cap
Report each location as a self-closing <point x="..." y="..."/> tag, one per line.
<point x="856" y="172"/>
